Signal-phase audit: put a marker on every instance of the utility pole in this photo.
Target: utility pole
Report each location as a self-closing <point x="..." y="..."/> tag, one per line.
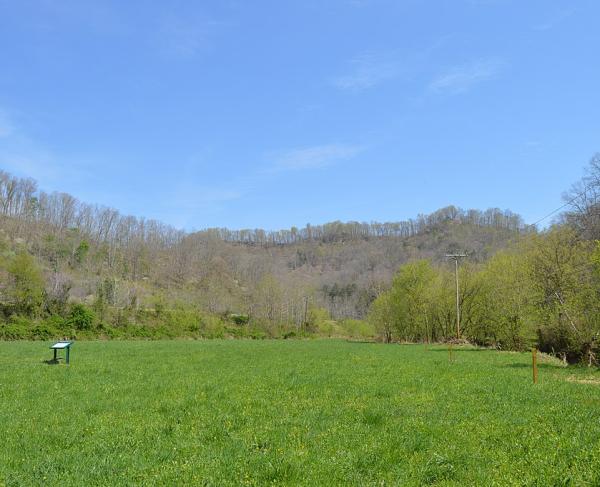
<point x="305" y="311"/>
<point x="456" y="258"/>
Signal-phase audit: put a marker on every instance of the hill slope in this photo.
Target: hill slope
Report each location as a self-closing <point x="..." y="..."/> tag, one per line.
<point x="94" y="255"/>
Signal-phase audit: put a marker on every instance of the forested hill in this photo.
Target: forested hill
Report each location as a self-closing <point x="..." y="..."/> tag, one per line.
<point x="21" y="199"/>
<point x="96" y="256"/>
<point x="346" y="231"/>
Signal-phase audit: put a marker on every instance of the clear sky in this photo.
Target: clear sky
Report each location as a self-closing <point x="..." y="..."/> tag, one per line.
<point x="277" y="113"/>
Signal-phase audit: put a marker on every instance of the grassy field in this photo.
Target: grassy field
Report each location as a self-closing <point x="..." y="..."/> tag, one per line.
<point x="295" y="413"/>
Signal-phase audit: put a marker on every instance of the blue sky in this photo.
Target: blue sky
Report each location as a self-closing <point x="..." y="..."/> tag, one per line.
<point x="277" y="113"/>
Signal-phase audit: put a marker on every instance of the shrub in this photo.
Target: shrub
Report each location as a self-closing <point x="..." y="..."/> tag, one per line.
<point x="212" y="327"/>
<point x="111" y="332"/>
<point x="182" y="320"/>
<point x="358" y="328"/>
<point x="317" y="319"/>
<point x="16" y="329"/>
<point x="137" y="331"/>
<point x="81" y="317"/>
<point x="57" y="322"/>
<point x="122" y="318"/>
<point x="44" y="331"/>
<point x="257" y="334"/>
<point x="239" y="319"/>
<point x="325" y="328"/>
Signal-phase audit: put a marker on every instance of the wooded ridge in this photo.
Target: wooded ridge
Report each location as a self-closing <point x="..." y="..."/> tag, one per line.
<point x="69" y="267"/>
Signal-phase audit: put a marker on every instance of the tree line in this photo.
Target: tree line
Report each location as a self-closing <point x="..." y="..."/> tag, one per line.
<point x="21" y="199"/>
<point x="346" y="231"/>
<point x="71" y="267"/>
<point x="542" y="290"/>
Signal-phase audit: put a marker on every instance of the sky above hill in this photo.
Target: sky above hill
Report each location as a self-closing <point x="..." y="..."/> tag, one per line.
<point x="277" y="113"/>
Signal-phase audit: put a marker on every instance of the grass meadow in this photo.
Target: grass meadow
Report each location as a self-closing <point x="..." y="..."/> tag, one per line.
<point x="292" y="412"/>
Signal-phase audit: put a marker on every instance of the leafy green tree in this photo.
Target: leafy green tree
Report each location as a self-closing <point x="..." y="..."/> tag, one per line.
<point x="411" y="300"/>
<point x="417" y="307"/>
<point x="81" y="251"/>
<point x="562" y="266"/>
<point x="503" y="309"/>
<point x="26" y="287"/>
<point x="442" y="304"/>
<point x="318" y="320"/>
<point x="381" y="316"/>
<point x="267" y="300"/>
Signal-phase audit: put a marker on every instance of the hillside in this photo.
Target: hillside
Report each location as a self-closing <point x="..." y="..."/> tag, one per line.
<point x="94" y="255"/>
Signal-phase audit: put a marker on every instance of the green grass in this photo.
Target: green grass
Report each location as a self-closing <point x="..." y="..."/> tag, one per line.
<point x="292" y="412"/>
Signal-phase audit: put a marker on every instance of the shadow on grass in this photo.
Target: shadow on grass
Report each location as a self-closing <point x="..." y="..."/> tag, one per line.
<point x="52" y="361"/>
<point x="540" y="366"/>
<point x="459" y="349"/>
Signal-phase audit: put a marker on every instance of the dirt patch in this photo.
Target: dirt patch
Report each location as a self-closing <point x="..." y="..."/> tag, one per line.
<point x="545" y="358"/>
<point x="586" y="380"/>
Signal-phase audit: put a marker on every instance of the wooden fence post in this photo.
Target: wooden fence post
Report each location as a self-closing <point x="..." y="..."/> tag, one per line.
<point x="534" y="363"/>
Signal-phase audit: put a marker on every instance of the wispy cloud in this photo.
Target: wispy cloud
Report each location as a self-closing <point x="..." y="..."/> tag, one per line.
<point x="461" y="79"/>
<point x="359" y="3"/>
<point x="485" y="3"/>
<point x="191" y="197"/>
<point x="23" y="156"/>
<point x="194" y="191"/>
<point x="189" y="201"/>
<point x="49" y="170"/>
<point x="37" y="166"/>
<point x="187" y="37"/>
<point x="553" y="20"/>
<point x="367" y="70"/>
<point x="533" y="144"/>
<point x="372" y="68"/>
<point x="315" y="157"/>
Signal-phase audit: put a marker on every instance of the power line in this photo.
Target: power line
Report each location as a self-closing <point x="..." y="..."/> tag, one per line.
<point x="578" y="195"/>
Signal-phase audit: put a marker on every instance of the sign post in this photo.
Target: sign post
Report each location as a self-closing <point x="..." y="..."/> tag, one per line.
<point x="534" y="364"/>
<point x="66" y="346"/>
